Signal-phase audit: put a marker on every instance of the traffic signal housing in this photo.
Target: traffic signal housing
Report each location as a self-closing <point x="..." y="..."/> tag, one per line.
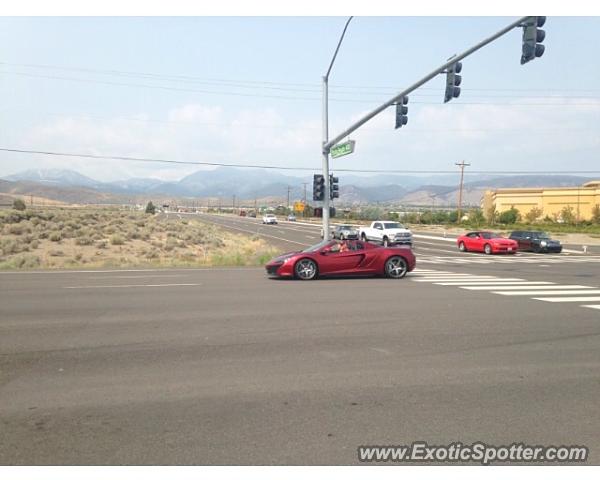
<point x="453" y="81"/>
<point x="318" y="188"/>
<point x="533" y="36"/>
<point x="401" y="112"/>
<point x="334" y="187"/>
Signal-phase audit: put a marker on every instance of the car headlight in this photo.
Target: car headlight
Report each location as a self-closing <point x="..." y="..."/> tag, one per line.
<point x="543" y="243"/>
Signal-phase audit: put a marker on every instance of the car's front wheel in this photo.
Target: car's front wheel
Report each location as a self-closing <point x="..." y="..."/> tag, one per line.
<point x="487" y="249"/>
<point x="305" y="269"/>
<point x="461" y="247"/>
<point x="396" y="267"/>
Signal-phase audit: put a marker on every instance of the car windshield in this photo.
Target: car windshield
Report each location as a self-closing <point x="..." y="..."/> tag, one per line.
<point x="542" y="235"/>
<point x="345" y="227"/>
<point x="388" y="225"/>
<point x="318" y="246"/>
<point x="490" y="235"/>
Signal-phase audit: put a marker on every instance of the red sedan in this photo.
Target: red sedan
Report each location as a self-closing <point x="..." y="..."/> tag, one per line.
<point x="337" y="257"/>
<point x="487" y="242"/>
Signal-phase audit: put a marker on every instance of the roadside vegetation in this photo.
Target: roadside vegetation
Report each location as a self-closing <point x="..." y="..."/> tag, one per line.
<point x="473" y="218"/>
<point x="110" y="237"/>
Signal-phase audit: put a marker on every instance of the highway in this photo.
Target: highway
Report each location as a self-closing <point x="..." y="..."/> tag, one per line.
<point x="227" y="366"/>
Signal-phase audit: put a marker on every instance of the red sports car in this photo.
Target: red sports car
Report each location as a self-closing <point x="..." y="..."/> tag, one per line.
<point x="487" y="242"/>
<point x="339" y="257"/>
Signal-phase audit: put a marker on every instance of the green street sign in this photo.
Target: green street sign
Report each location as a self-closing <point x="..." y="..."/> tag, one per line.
<point x="342" y="149"/>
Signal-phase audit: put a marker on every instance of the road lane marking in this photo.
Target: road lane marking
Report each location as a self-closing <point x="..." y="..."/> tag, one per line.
<point x="459" y="279"/>
<point x="528" y="286"/>
<point x="568" y="299"/>
<point x="551" y="292"/>
<point x="227" y="269"/>
<point x="499" y="281"/>
<point x="137" y="276"/>
<point x="137" y="286"/>
<point x="597" y="307"/>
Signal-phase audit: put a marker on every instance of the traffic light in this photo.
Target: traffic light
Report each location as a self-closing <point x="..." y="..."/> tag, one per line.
<point x="401" y="112"/>
<point x="334" y="188"/>
<point x="533" y="37"/>
<point x="318" y="188"/>
<point x="453" y="80"/>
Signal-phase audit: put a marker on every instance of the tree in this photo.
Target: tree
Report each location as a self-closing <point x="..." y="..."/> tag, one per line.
<point x="150" y="208"/>
<point x="567" y="215"/>
<point x="19" y="204"/>
<point x="596" y="214"/>
<point x="532" y="215"/>
<point x="509" y="216"/>
<point x="476" y="217"/>
<point x="491" y="214"/>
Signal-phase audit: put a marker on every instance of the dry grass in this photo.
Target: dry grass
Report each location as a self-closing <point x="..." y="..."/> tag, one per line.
<point x="68" y="238"/>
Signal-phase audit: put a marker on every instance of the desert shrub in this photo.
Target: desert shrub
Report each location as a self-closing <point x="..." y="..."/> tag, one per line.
<point x="150" y="208"/>
<point x="55" y="237"/>
<point x="43" y="234"/>
<point x="84" y="241"/>
<point x="152" y="254"/>
<point x="19" y="204"/>
<point x="22" y="261"/>
<point x="170" y="244"/>
<point x="78" y="256"/>
<point x="101" y="244"/>
<point x="16" y="229"/>
<point x="35" y="244"/>
<point x="117" y="240"/>
<point x="56" y="253"/>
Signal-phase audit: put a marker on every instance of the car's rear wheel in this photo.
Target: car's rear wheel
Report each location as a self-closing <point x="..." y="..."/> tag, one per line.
<point x="305" y="269"/>
<point x="487" y="249"/>
<point x="342" y="236"/>
<point x="462" y="247"/>
<point x="396" y="267"/>
<point x="386" y="242"/>
<point x="363" y="237"/>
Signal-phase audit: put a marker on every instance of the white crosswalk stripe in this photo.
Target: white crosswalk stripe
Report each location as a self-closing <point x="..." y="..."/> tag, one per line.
<point x="512" y="287"/>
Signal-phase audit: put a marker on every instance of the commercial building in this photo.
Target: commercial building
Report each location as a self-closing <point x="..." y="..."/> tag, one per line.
<point x="551" y="201"/>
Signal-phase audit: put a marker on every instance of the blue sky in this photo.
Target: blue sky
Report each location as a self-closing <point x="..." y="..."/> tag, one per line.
<point x="57" y="94"/>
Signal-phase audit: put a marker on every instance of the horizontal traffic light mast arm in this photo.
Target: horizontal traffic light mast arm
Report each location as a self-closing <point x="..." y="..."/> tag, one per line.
<point x="327" y="146"/>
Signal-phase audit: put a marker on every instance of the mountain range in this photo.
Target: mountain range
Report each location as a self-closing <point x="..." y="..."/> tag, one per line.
<point x="250" y="184"/>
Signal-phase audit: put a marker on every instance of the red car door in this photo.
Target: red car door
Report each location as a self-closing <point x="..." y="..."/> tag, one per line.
<point x="340" y="262"/>
<point x="477" y="243"/>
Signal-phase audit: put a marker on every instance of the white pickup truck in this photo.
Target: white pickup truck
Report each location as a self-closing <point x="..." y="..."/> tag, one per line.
<point x="386" y="233"/>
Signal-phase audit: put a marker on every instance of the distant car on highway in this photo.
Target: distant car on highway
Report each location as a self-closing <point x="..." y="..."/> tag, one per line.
<point x="252" y="214"/>
<point x="337" y="258"/>
<point x="345" y="232"/>
<point x="291" y="217"/>
<point x="386" y="233"/>
<point x="487" y="242"/>
<point x="536" y="241"/>
<point x="269" y="219"/>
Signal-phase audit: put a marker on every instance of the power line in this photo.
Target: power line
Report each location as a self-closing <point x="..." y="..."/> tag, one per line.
<point x="280" y="167"/>
<point x="313" y="87"/>
<point x="264" y="126"/>
<point x="287" y="97"/>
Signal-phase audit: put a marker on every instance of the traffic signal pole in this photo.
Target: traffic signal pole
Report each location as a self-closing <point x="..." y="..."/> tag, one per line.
<point x="329" y="143"/>
<point x="327" y="146"/>
<point x="326" y="199"/>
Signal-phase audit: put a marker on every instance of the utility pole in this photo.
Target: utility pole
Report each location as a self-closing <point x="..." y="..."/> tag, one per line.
<point x="233" y="205"/>
<point x="325" y="148"/>
<point x="287" y="205"/>
<point x="462" y="166"/>
<point x="304" y="199"/>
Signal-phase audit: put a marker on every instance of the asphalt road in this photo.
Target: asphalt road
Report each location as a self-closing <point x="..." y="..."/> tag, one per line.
<point x="226" y="366"/>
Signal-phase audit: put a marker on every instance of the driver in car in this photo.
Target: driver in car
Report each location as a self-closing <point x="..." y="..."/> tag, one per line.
<point x="339" y="247"/>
